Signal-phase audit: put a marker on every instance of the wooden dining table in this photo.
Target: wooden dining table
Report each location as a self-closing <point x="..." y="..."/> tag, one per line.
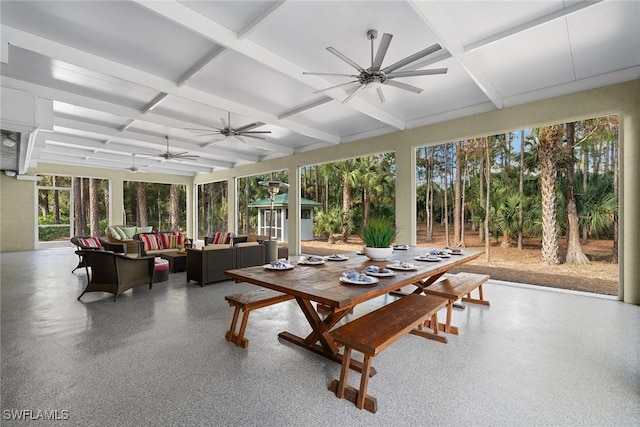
<point x="321" y="284"/>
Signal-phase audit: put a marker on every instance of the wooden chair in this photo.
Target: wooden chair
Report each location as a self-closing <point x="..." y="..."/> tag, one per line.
<point x="115" y="273"/>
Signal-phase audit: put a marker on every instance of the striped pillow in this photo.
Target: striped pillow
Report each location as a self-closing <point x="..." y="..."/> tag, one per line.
<point x="151" y="242"/>
<point x="166" y="240"/>
<point x="91" y="242"/>
<point x="222" y="238"/>
<point x="180" y="237"/>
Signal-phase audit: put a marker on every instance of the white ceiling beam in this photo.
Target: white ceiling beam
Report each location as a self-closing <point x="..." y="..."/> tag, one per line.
<point x="259" y="20"/>
<point x="219" y="34"/>
<point x="171" y="168"/>
<point x="84" y="59"/>
<point x="531" y="24"/>
<point x="445" y="33"/>
<point x="305" y="107"/>
<point x="204" y="61"/>
<point x="98" y="155"/>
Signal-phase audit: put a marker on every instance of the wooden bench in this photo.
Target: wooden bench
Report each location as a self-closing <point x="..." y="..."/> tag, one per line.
<point x="246" y="302"/>
<point x="455" y="288"/>
<point x="375" y="331"/>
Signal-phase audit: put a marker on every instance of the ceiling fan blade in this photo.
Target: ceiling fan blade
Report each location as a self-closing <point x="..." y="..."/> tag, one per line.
<point x="249" y="126"/>
<point x="241" y="139"/>
<point x="417" y="73"/>
<point x="330" y="74"/>
<point x="404" y="86"/>
<point x="252" y="131"/>
<point x="247" y="135"/>
<point x="345" y="59"/>
<point x="202" y="130"/>
<point x="381" y="95"/>
<point x="382" y="51"/>
<point x="333" y="87"/>
<point x="411" y="58"/>
<point x="354" y="93"/>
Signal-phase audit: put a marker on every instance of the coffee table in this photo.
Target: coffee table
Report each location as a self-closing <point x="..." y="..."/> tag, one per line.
<point x="177" y="261"/>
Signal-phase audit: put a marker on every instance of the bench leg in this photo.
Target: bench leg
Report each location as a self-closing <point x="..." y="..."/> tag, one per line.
<point x="364" y="381"/>
<point x="481" y="300"/>
<point x="344" y="372"/>
<point x="345" y="391"/>
<point x="238" y="339"/>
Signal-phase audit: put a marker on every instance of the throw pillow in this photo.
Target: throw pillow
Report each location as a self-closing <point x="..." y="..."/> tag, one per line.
<point x="180" y="238"/>
<point x="151" y="242"/>
<point x="120" y="232"/>
<point x="129" y="232"/>
<point x="91" y="242"/>
<point x="166" y="240"/>
<point x="144" y="229"/>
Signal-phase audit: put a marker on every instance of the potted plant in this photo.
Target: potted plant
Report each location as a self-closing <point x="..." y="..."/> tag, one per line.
<point x="377" y="235"/>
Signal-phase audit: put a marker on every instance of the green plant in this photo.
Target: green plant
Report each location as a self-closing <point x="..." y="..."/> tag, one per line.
<point x="378" y="233"/>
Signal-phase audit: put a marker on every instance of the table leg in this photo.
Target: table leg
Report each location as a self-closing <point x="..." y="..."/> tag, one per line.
<point x="320" y="333"/>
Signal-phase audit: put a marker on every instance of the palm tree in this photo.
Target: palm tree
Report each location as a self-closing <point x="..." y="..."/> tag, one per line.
<point x="548" y="143"/>
<point x="574" y="249"/>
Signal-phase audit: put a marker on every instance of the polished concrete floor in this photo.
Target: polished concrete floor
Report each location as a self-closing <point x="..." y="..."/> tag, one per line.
<point x="159" y="357"/>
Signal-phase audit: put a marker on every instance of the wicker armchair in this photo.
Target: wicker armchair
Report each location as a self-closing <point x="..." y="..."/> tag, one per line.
<point x="95" y="244"/>
<point x="115" y="273"/>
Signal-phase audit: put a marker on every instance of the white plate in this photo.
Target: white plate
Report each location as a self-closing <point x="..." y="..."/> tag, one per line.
<point x="337" y="258"/>
<point x="358" y="282"/>
<point x="444" y="255"/>
<point x="311" y="262"/>
<point x="424" y="258"/>
<point x="400" y="247"/>
<point x="456" y="253"/>
<point x="386" y="274"/>
<point x="399" y="268"/>
<point x="271" y="267"/>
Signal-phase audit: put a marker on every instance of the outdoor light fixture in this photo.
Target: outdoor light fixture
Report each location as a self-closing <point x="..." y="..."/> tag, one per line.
<point x="273" y="187"/>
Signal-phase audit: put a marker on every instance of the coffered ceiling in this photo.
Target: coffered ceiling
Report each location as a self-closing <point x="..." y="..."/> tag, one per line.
<point x="124" y="75"/>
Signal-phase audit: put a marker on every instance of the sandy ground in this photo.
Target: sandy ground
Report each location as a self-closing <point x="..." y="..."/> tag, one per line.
<point x="514" y="265"/>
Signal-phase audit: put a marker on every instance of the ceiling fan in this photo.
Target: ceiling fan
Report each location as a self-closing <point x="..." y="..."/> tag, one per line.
<point x="377" y="76"/>
<point x="133" y="168"/>
<point x="168" y="155"/>
<point x="228" y="131"/>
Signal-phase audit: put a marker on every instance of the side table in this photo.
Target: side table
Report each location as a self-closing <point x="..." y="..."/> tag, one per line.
<point x="177" y="261"/>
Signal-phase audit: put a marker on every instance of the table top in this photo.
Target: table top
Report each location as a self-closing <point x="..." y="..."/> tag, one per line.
<point x="321" y="283"/>
<point x="173" y="255"/>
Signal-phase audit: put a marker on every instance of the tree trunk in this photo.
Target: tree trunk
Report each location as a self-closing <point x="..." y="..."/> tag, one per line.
<point x="94" y="208"/>
<point x="585" y="175"/>
<point x="430" y="162"/>
<point x="346" y="208"/>
<point x="614" y="166"/>
<point x="445" y="214"/>
<point x="77" y="206"/>
<point x="141" y="212"/>
<point x="246" y="206"/>
<point x="574" y="249"/>
<point x="316" y="193"/>
<point x="174" y="206"/>
<point x="549" y="138"/>
<point x="481" y="191"/>
<point x="457" y="196"/>
<point x="521" y="191"/>
<point x="56" y="200"/>
<point x="487" y="206"/>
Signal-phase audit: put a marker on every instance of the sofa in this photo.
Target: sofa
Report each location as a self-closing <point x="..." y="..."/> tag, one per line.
<point x="208" y="265"/>
<point x="123" y="234"/>
<point x="161" y="242"/>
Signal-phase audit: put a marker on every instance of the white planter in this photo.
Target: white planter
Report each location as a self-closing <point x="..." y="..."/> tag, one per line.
<point x="378" y="254"/>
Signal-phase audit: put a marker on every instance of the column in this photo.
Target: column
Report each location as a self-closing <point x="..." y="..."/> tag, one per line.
<point x="406" y="195"/>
